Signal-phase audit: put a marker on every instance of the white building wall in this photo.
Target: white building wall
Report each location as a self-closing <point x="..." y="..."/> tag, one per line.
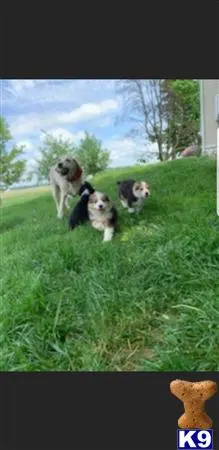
<point x="208" y="90"/>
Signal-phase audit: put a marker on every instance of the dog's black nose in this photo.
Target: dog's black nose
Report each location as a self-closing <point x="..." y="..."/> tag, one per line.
<point x="60" y="165"/>
<point x="146" y="195"/>
<point x="101" y="206"/>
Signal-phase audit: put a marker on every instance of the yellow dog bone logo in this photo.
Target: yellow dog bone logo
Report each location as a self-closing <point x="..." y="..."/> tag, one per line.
<point x="194" y="396"/>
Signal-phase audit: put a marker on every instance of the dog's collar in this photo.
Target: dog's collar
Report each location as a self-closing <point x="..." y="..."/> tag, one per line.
<point x="76" y="175"/>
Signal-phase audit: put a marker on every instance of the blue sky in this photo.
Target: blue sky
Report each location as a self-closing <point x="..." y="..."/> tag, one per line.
<point x="67" y="108"/>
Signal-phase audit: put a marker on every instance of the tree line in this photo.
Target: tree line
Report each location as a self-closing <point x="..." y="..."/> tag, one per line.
<point x="161" y="112"/>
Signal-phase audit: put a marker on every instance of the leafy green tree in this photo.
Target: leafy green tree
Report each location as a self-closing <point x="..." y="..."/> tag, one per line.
<point x="91" y="154"/>
<point x="182" y="107"/>
<point x="51" y="149"/>
<point x="11" y="168"/>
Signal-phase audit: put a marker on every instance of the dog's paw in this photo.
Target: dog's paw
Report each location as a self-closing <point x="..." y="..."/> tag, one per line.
<point x="108" y="235"/>
<point x="60" y="216"/>
<point x="131" y="210"/>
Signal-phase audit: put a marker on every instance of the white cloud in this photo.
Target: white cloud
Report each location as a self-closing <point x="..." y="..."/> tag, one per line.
<point x="105" y="122"/>
<point x="65" y="134"/>
<point x="34" y="122"/>
<point x="125" y="152"/>
<point x="27" y="144"/>
<point x="122" y="151"/>
<point x="88" y="111"/>
<point x="31" y="162"/>
<point x="20" y="85"/>
<point x="76" y="92"/>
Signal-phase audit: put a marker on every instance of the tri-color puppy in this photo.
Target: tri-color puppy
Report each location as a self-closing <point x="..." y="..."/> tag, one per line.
<point x="80" y="214"/>
<point x="102" y="214"/>
<point x="132" y="194"/>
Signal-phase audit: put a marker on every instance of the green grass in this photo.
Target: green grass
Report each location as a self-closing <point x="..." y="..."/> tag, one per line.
<point x="148" y="300"/>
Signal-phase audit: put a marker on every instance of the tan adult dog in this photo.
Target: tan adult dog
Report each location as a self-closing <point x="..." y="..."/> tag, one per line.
<point x="65" y="179"/>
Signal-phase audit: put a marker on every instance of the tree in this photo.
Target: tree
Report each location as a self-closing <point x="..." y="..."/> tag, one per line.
<point x="11" y="168"/>
<point x="143" y="105"/>
<point x="91" y="154"/>
<point x="182" y="107"/>
<point x="165" y="112"/>
<point x="173" y="115"/>
<point x="51" y="149"/>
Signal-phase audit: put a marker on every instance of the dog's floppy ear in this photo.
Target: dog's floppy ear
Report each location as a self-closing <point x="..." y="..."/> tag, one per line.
<point x="77" y="165"/>
<point x="106" y="198"/>
<point x="58" y="161"/>
<point x="75" y="161"/>
<point x="92" y="198"/>
<point x="90" y="188"/>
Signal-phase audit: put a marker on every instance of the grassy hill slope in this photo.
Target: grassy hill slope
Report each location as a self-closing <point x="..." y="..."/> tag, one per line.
<point x="149" y="300"/>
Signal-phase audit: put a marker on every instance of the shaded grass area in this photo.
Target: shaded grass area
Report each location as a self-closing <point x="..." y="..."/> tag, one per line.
<point x="149" y="300"/>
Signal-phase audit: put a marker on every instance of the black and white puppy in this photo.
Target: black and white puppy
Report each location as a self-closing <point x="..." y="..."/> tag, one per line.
<point x="80" y="214"/>
<point x="132" y="194"/>
<point x="103" y="214"/>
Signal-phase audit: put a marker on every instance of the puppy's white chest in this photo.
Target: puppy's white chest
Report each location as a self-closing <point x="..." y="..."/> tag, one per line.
<point x="139" y="202"/>
<point x="137" y="206"/>
<point x="98" y="220"/>
<point x="98" y="225"/>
